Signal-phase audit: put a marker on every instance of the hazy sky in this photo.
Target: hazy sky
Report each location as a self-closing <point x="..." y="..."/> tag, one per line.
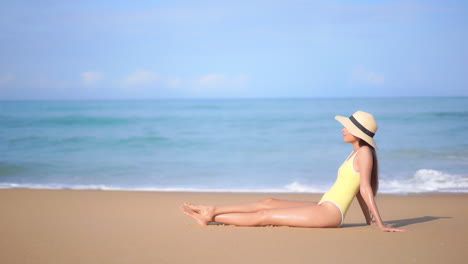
<point x="204" y="49"/>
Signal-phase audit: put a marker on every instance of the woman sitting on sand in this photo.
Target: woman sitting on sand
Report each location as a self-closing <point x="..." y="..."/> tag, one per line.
<point x="357" y="176"/>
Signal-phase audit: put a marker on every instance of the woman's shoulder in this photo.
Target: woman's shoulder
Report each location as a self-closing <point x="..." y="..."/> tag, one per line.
<point x="364" y="158"/>
<point x="364" y="152"/>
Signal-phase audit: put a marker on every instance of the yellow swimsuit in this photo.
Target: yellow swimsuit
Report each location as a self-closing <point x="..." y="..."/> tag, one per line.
<point x="345" y="188"/>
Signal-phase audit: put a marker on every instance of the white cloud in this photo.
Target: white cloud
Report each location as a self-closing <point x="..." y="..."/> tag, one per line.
<point x="211" y="80"/>
<point x="6" y="78"/>
<point x="174" y="82"/>
<point x="362" y="76"/>
<point x="91" y="78"/>
<point x="141" y="78"/>
<point x="221" y="81"/>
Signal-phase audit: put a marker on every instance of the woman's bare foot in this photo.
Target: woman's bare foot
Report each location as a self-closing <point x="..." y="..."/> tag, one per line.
<point x="196" y="216"/>
<point x="206" y="212"/>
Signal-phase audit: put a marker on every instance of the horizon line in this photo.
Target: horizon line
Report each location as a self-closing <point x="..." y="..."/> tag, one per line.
<point x="236" y="98"/>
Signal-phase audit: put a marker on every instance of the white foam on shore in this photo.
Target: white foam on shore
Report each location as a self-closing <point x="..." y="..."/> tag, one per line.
<point x="426" y="180"/>
<point x="423" y="180"/>
<point x="143" y="189"/>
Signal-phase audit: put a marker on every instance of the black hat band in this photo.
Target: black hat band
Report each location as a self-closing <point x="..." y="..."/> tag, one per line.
<point x="361" y="127"/>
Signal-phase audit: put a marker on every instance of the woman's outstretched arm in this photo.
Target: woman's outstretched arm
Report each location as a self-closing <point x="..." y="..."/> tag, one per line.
<point x="364" y="208"/>
<point x="364" y="162"/>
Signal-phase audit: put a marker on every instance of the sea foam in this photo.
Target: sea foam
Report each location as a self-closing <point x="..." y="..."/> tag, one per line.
<point x="423" y="180"/>
<point x="426" y="180"/>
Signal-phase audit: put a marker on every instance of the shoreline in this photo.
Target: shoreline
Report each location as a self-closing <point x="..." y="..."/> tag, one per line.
<point x="95" y="226"/>
<point x="260" y="192"/>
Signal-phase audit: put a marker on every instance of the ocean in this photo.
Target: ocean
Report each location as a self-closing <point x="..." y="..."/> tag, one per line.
<point x="228" y="145"/>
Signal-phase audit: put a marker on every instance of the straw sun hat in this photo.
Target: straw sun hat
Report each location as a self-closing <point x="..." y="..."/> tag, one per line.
<point x="361" y="125"/>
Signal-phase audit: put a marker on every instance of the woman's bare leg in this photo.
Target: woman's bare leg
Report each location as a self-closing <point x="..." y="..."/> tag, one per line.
<point x="325" y="215"/>
<point x="209" y="212"/>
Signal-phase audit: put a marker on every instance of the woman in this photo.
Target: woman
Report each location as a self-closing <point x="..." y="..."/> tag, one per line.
<point x="357" y="176"/>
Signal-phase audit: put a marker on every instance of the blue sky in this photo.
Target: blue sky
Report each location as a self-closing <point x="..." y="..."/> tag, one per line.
<point x="229" y="49"/>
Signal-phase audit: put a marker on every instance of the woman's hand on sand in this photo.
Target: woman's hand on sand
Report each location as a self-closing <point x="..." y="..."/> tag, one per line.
<point x="374" y="223"/>
<point x="387" y="228"/>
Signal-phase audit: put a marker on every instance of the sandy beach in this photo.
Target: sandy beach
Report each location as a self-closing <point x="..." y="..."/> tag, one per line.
<point x="71" y="226"/>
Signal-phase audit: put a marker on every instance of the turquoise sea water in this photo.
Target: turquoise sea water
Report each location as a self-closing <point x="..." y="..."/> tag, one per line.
<point x="265" y="145"/>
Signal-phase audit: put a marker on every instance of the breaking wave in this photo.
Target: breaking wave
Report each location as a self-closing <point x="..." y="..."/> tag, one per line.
<point x="426" y="180"/>
<point x="423" y="181"/>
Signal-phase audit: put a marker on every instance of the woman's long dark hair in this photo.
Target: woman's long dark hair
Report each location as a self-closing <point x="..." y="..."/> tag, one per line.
<point x="375" y="167"/>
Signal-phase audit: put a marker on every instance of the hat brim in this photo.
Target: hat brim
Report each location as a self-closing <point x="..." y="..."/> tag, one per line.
<point x="355" y="131"/>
